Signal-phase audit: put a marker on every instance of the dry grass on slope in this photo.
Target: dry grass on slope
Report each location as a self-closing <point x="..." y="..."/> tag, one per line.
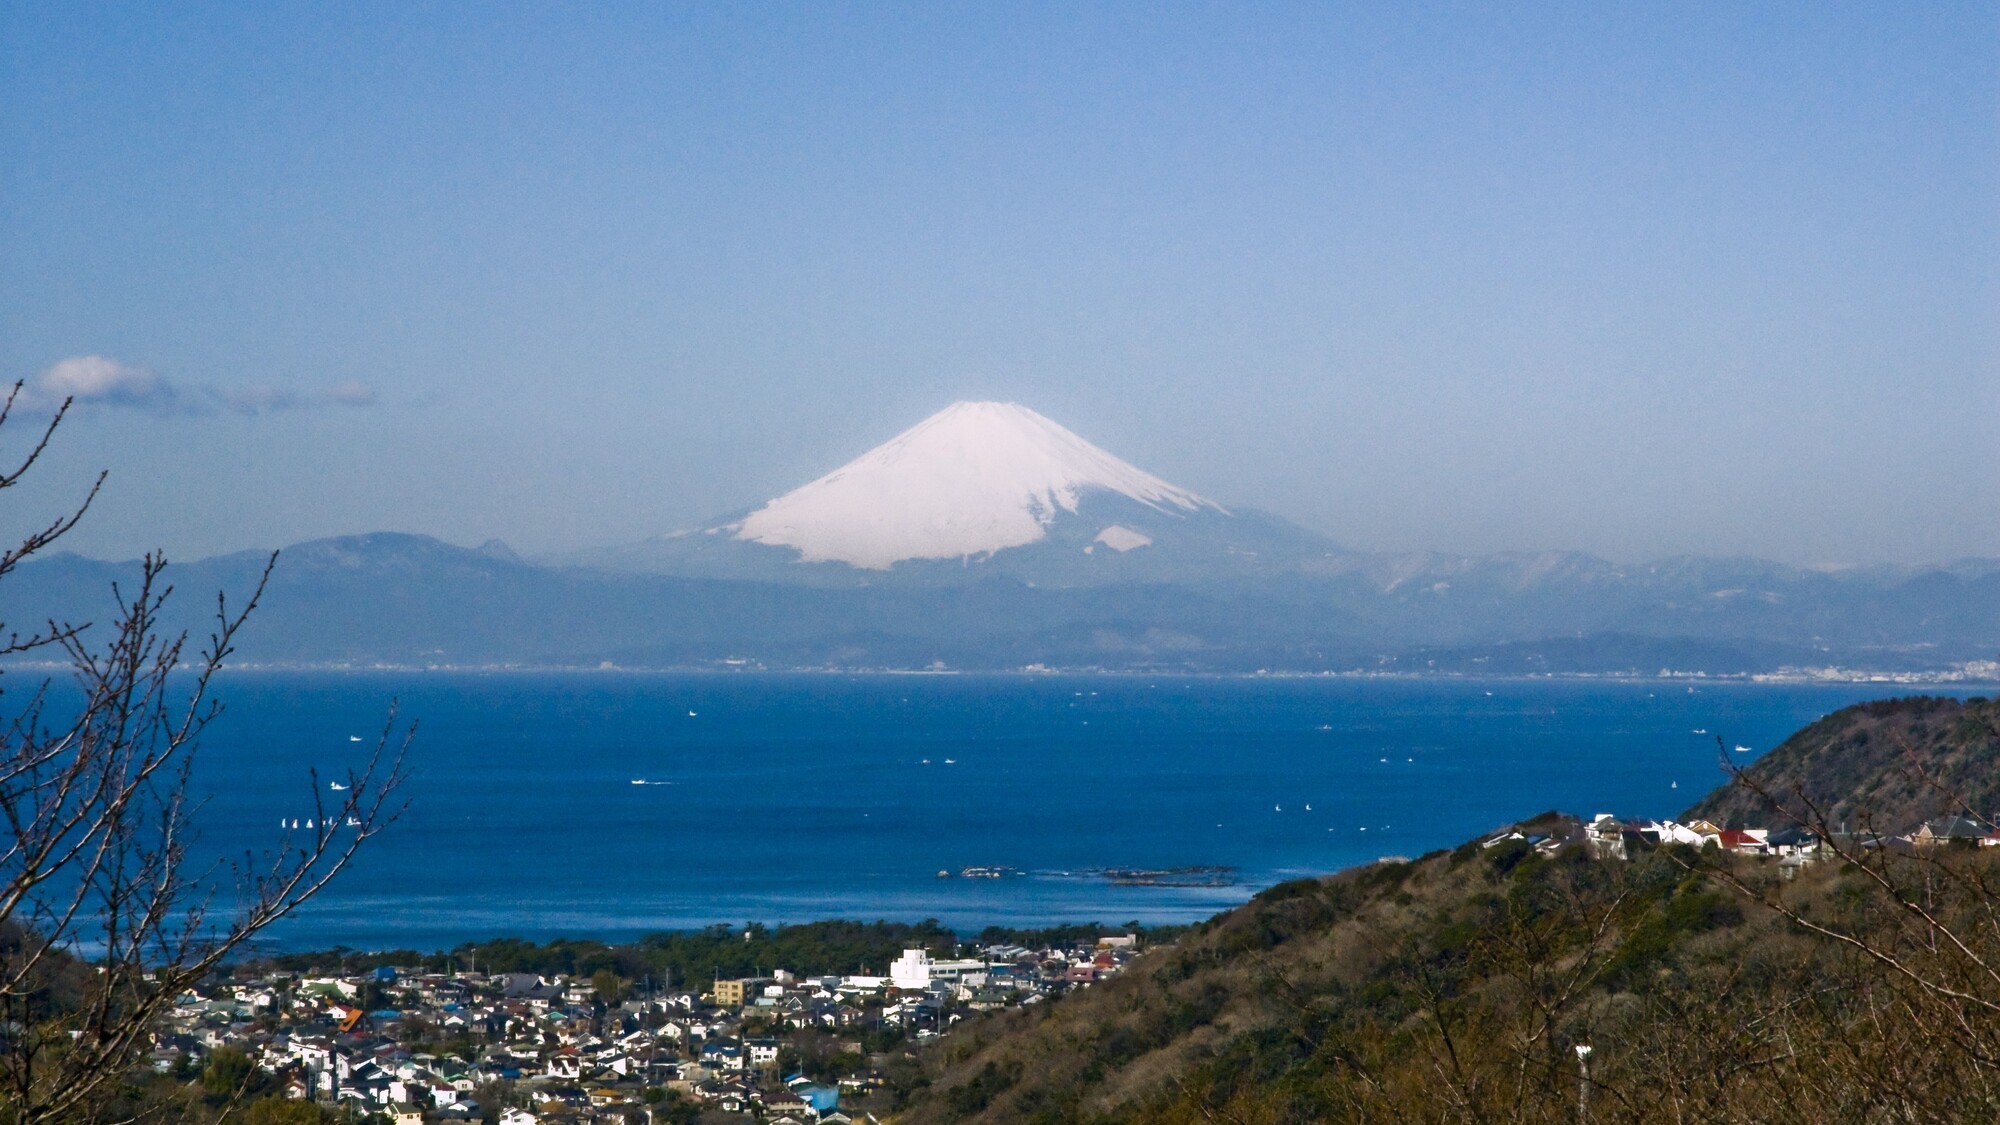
<point x="1246" y="975"/>
<point x="1457" y="989"/>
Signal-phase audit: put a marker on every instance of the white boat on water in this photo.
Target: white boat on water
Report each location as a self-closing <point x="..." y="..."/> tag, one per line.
<point x="336" y="786"/>
<point x="1742" y="749"/>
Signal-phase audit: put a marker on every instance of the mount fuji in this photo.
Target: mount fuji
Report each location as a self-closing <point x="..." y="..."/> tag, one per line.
<point x="989" y="537"/>
<point x="978" y="490"/>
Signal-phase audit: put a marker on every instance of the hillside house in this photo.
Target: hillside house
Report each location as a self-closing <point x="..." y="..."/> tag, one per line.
<point x="1961" y="830"/>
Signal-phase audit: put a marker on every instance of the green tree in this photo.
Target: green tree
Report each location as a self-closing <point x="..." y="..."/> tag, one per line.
<point x="227" y="1075"/>
<point x="282" y="1111"/>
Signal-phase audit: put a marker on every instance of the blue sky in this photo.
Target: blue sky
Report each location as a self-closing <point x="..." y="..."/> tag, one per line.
<point x="1639" y="280"/>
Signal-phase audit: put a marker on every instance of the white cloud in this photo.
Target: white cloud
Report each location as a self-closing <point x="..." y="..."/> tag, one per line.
<point x="264" y="398"/>
<point x="256" y="398"/>
<point x="354" y="392"/>
<point x="100" y="380"/>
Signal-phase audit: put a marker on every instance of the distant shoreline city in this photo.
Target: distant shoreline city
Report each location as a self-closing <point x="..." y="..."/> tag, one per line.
<point x="1972" y="674"/>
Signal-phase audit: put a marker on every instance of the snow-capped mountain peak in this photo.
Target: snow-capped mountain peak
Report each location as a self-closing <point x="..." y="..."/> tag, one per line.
<point x="973" y="479"/>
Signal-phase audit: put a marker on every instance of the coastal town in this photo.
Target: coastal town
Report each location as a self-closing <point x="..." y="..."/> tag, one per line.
<point x="409" y="1046"/>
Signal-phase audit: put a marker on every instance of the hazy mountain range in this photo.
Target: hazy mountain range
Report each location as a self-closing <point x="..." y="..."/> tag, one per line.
<point x="990" y="537"/>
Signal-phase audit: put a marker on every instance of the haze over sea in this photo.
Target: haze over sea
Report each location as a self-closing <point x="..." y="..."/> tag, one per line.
<point x="790" y="798"/>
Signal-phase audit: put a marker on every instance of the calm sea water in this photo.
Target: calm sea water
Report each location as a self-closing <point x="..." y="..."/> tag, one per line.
<point x="792" y="798"/>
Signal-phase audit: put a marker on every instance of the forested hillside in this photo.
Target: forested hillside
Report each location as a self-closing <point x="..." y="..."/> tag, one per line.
<point x="1516" y="983"/>
<point x="1888" y="765"/>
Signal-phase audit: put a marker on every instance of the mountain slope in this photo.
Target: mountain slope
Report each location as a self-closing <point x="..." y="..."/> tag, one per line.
<point x="1454" y="988"/>
<point x="978" y="490"/>
<point x="1484" y="983"/>
<point x="973" y="479"/>
<point x="1890" y="764"/>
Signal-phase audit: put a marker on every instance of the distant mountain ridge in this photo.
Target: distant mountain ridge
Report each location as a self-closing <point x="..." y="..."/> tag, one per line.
<point x="990" y="537"/>
<point x="413" y="600"/>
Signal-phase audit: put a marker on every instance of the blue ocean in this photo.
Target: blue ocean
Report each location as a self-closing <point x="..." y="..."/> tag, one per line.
<point x="789" y="798"/>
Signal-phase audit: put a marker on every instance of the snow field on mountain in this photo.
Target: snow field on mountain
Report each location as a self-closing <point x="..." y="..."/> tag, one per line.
<point x="971" y="480"/>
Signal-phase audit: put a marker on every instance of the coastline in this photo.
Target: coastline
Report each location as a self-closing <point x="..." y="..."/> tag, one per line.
<point x="1977" y="674"/>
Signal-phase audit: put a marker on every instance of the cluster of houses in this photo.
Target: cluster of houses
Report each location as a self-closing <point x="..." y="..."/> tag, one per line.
<point x="523" y="1049"/>
<point x="1608" y="837"/>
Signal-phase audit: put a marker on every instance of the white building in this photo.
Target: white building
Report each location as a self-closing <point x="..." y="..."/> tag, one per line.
<point x="912" y="971"/>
